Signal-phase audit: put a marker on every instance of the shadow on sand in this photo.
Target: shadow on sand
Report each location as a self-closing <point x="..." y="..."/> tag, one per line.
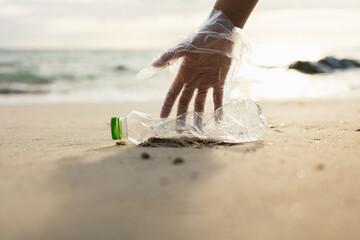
<point x="125" y="196"/>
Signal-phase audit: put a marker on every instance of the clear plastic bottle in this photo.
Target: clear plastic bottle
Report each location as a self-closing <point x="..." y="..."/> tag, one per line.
<point x="240" y="121"/>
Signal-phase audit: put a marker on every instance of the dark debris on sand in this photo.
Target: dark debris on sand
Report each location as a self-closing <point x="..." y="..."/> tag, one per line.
<point x="320" y="167"/>
<point x="178" y="161"/>
<point x="145" y="155"/>
<point x="120" y="143"/>
<point x="183" y="142"/>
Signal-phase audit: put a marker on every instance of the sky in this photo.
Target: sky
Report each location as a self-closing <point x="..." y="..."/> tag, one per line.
<point x="124" y="24"/>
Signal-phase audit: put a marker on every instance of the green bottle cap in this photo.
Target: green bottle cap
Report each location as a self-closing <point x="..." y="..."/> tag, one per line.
<point x="116" y="129"/>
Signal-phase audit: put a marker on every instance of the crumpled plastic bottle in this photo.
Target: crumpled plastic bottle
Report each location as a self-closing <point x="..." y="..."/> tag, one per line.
<point x="238" y="121"/>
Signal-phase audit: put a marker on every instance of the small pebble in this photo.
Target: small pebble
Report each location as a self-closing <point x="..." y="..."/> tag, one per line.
<point x="145" y="155"/>
<point x="357" y="130"/>
<point x="178" y="160"/>
<point x="320" y="166"/>
<point x="120" y="143"/>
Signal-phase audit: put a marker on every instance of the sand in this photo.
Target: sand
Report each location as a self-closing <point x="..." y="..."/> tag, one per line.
<point x="62" y="177"/>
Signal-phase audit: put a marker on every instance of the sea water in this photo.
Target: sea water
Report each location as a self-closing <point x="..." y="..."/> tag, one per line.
<point x="71" y="76"/>
<point x="30" y="77"/>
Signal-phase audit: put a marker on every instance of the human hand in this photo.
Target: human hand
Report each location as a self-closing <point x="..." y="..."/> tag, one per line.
<point x="198" y="72"/>
<point x="207" y="55"/>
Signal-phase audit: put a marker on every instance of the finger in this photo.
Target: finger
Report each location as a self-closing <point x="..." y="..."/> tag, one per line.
<point x="171" y="96"/>
<point x="169" y="56"/>
<point x="218" y="102"/>
<point x="200" y="107"/>
<point x="184" y="102"/>
<point x="224" y="70"/>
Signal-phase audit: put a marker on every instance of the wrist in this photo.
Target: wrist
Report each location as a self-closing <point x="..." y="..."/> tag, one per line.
<point x="220" y="17"/>
<point x="220" y="22"/>
<point x="238" y="11"/>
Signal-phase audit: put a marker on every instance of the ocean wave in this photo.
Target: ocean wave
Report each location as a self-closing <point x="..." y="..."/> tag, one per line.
<point x="22" y="88"/>
<point x="8" y="64"/>
<point x="24" y="77"/>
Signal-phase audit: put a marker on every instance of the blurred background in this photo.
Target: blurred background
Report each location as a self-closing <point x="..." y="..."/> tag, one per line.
<point x="66" y="51"/>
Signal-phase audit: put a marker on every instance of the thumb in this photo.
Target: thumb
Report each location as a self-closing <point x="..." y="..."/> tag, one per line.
<point x="165" y="59"/>
<point x="147" y="72"/>
<point x="168" y="57"/>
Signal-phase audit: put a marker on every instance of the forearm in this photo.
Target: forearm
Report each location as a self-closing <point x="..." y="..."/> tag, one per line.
<point x="238" y="11"/>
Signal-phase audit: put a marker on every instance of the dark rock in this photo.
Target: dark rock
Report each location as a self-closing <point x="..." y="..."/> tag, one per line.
<point x="348" y="63"/>
<point x="332" y="63"/>
<point x="324" y="65"/>
<point x="310" y="67"/>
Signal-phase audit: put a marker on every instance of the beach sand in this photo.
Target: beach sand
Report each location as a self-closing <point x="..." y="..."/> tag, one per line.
<point x="62" y="177"/>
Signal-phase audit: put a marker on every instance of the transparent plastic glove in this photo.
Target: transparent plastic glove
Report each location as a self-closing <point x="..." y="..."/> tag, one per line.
<point x="206" y="56"/>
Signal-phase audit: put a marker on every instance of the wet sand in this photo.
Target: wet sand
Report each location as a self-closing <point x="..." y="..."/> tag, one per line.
<point x="62" y="177"/>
